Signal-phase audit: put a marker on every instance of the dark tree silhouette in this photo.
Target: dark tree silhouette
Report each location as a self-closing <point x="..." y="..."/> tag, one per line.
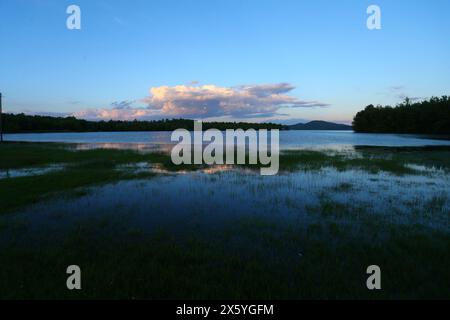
<point x="16" y="123"/>
<point x="428" y="117"/>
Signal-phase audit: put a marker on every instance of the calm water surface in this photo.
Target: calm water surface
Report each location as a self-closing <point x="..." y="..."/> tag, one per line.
<point x="288" y="139"/>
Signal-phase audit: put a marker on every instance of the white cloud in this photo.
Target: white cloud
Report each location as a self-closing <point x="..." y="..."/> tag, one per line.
<point x="212" y="100"/>
<point x="116" y="114"/>
<point x="206" y="101"/>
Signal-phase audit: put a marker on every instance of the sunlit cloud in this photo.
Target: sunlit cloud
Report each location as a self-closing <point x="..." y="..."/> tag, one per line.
<point x="206" y="101"/>
<point x="212" y="101"/>
<point x="120" y="113"/>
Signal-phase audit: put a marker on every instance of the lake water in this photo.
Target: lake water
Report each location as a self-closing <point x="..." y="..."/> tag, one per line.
<point x="288" y="139"/>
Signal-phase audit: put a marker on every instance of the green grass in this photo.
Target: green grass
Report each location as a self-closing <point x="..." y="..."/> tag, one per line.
<point x="22" y="191"/>
<point x="317" y="160"/>
<point x="269" y="261"/>
<point x="16" y="155"/>
<point x="431" y="156"/>
<point x="392" y="160"/>
<point x="82" y="169"/>
<point x="343" y="187"/>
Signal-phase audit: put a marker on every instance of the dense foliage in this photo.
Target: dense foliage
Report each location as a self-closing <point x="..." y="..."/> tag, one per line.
<point x="428" y="117"/>
<point x="25" y="123"/>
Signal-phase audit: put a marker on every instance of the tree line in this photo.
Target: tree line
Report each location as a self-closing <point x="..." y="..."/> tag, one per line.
<point x="427" y="117"/>
<point x="19" y="123"/>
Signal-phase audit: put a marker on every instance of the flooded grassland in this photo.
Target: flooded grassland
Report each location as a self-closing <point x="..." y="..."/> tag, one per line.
<point x="140" y="227"/>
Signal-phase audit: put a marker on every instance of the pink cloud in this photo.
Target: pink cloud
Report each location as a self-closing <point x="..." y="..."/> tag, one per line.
<point x="205" y="101"/>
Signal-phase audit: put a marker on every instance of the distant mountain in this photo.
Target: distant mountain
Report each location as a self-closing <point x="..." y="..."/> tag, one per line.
<point x="319" y="125"/>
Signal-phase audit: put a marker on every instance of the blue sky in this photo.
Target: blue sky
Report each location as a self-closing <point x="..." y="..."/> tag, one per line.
<point x="255" y="60"/>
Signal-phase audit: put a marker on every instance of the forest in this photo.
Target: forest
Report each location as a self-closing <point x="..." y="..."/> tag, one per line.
<point x="17" y="123"/>
<point x="426" y="117"/>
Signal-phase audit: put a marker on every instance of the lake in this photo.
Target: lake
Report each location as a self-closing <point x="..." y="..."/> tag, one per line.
<point x="288" y="139"/>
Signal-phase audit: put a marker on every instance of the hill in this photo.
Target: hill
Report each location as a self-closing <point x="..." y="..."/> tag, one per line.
<point x="319" y="125"/>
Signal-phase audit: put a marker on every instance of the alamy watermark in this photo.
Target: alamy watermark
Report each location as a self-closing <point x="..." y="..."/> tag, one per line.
<point x="73" y="21"/>
<point x="74" y="280"/>
<point x="373" y="22"/>
<point x="374" y="280"/>
<point x="230" y="147"/>
<point x="374" y="19"/>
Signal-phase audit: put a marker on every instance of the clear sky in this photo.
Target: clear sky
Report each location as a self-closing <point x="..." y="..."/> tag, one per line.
<point x="255" y="60"/>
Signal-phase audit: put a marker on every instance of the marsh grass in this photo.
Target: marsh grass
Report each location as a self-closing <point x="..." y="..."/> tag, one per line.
<point x="342" y="187"/>
<point x="394" y="160"/>
<point x="15" y="155"/>
<point x="97" y="166"/>
<point x="82" y="169"/>
<point x="316" y="160"/>
<point x="269" y="260"/>
<point x="254" y="256"/>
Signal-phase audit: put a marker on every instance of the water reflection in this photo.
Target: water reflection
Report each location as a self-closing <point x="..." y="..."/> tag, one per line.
<point x="288" y="139"/>
<point x="26" y="172"/>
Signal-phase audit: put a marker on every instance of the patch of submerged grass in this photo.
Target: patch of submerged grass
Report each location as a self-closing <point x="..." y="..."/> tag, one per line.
<point x="315" y="160"/>
<point x="395" y="160"/>
<point x="23" y="191"/>
<point x="330" y="208"/>
<point x="82" y="169"/>
<point x="428" y="156"/>
<point x="16" y="155"/>
<point x="436" y="204"/>
<point x="342" y="187"/>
